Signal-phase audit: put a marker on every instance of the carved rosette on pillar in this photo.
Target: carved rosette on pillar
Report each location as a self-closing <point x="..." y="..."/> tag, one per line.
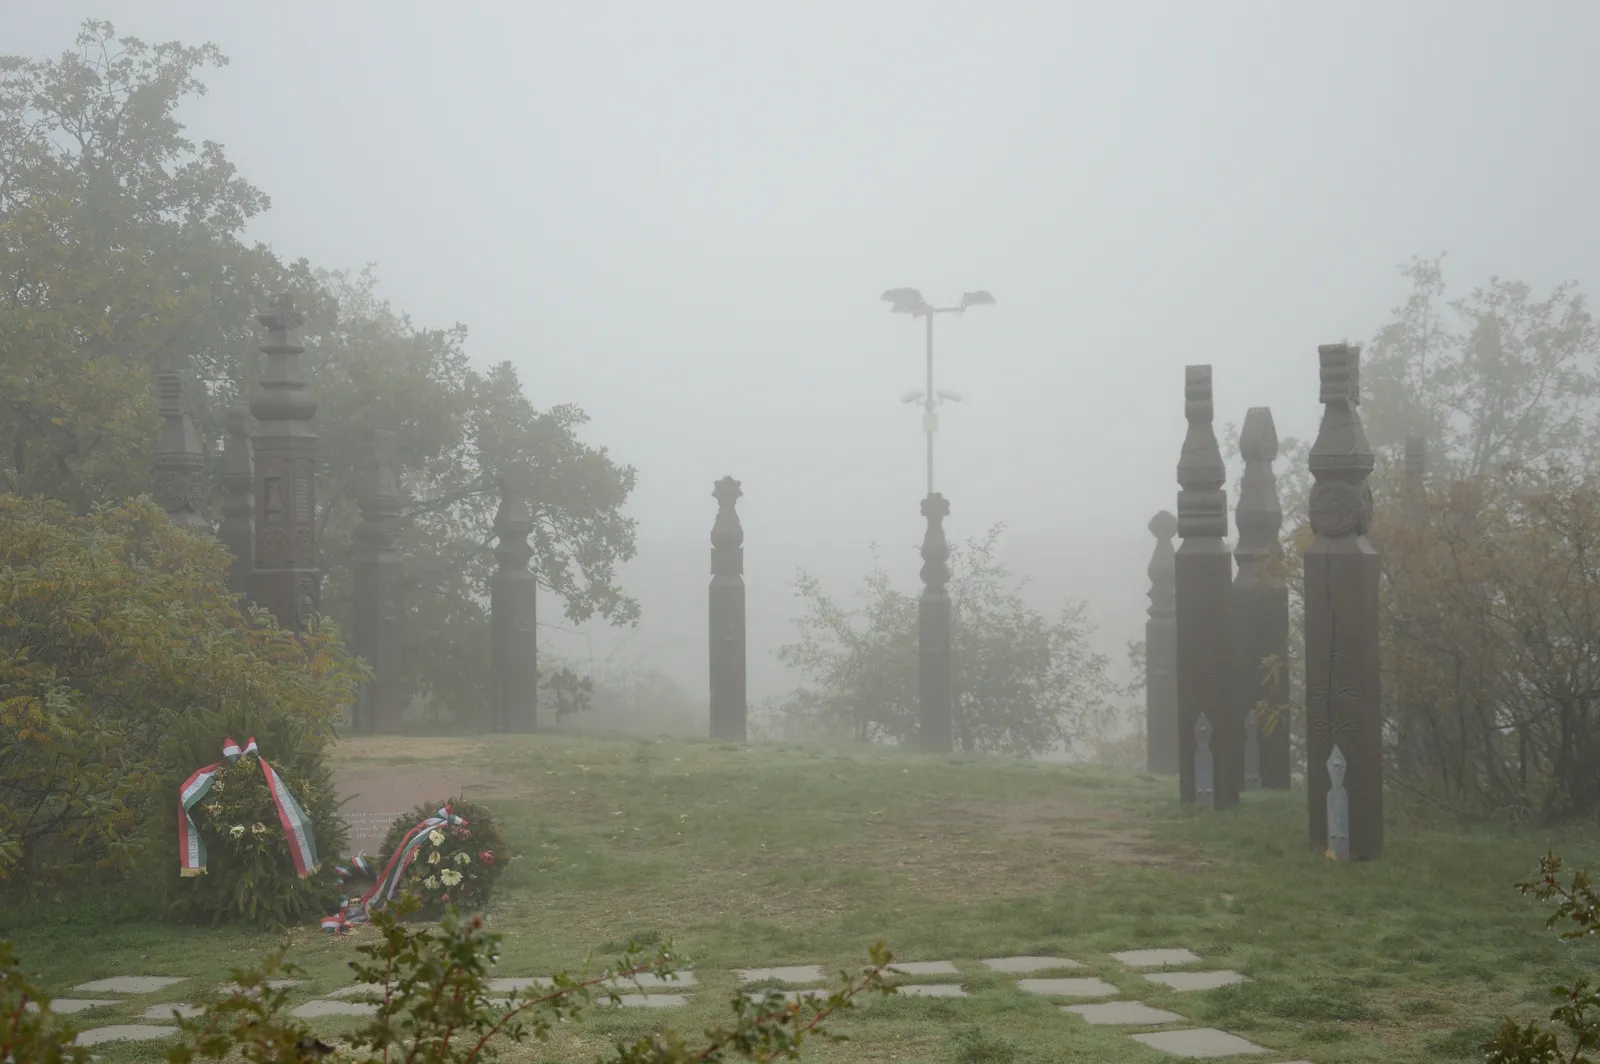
<point x="1343" y="710"/>
<point x="286" y="578"/>
<point x="1203" y="575"/>
<point x="513" y="608"/>
<point x="1160" y="654"/>
<point x="935" y="665"/>
<point x="726" y="611"/>
<point x="1261" y="608"/>
<point x="179" y="480"/>
<point x="376" y="635"/>
<point x="237" y="472"/>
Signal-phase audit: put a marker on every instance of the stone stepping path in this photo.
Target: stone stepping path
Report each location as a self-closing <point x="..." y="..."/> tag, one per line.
<point x="929" y="979"/>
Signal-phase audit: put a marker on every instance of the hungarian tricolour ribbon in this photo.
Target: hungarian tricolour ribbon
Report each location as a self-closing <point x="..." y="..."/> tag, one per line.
<point x="296" y="825"/>
<point x="388" y="881"/>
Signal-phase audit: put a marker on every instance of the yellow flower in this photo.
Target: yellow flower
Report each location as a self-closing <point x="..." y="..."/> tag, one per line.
<point x="450" y="877"/>
<point x="433" y="858"/>
<point x="431" y="883"/>
<point x="463" y="857"/>
<point x="436" y="837"/>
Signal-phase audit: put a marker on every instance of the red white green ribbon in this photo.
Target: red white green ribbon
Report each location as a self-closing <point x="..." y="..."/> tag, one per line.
<point x="296" y="825"/>
<point x="388" y="881"/>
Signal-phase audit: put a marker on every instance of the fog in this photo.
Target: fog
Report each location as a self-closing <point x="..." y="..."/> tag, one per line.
<point x="681" y="217"/>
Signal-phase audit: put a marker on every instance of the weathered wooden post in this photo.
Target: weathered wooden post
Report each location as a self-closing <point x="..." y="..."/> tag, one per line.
<point x="237" y="472"/>
<point x="1160" y="654"/>
<point x="935" y="666"/>
<point x="286" y="578"/>
<point x="1343" y="709"/>
<point x="179" y="479"/>
<point x="726" y="606"/>
<point x="1261" y="609"/>
<point x="376" y="634"/>
<point x="513" y="608"/>
<point x="1203" y="574"/>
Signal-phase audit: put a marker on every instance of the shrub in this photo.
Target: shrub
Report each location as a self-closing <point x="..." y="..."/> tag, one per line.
<point x="438" y="1007"/>
<point x="26" y="1033"/>
<point x="115" y="624"/>
<point x="1578" y="1008"/>
<point x="251" y="871"/>
<point x="454" y="864"/>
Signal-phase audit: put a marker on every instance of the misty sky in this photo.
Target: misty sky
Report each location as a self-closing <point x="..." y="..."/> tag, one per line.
<point x="681" y="217"/>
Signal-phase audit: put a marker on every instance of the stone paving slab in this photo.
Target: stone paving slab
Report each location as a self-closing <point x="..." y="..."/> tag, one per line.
<point x="122" y="1032"/>
<point x="314" y="1009"/>
<point x="938" y="990"/>
<point x="164" y="1012"/>
<point x="357" y="990"/>
<point x="1195" y="980"/>
<point x="1027" y="965"/>
<point x="1202" y="1042"/>
<point x="790" y="996"/>
<point x="1124" y="1014"/>
<point x="651" y="981"/>
<point x="1080" y="988"/>
<point x="1155" y="958"/>
<point x="274" y="984"/>
<point x="924" y="968"/>
<point x="127" y="984"/>
<point x="796" y="973"/>
<point x="67" y="1006"/>
<point x="543" y="982"/>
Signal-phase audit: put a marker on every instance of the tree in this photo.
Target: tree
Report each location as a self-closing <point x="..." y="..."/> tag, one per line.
<point x="1025" y="683"/>
<point x="116" y="621"/>
<point x="121" y="251"/>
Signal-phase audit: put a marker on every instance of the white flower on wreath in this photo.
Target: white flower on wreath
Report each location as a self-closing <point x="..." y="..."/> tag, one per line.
<point x="436" y="837"/>
<point x="450" y="877"/>
<point x="258" y="828"/>
<point x="462" y="857"/>
<point x="431" y="883"/>
<point x="433" y="858"/>
<point x="236" y="831"/>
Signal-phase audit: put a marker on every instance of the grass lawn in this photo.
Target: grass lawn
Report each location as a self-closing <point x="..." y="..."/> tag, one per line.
<point x="778" y="854"/>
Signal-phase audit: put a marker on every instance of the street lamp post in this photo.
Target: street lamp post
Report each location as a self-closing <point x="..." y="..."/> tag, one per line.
<point x="935" y="628"/>
<point x="910" y="301"/>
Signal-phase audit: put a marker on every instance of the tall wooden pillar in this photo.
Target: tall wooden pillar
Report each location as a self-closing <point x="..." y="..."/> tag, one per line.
<point x="237" y="472"/>
<point x="726" y="607"/>
<point x="1261" y="609"/>
<point x="287" y="580"/>
<point x="179" y="481"/>
<point x="513" y="609"/>
<point x="376" y="635"/>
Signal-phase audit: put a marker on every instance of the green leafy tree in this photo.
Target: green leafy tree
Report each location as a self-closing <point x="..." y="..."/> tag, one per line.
<point x="1025" y="683"/>
<point x="28" y="1034"/>
<point x="116" y="624"/>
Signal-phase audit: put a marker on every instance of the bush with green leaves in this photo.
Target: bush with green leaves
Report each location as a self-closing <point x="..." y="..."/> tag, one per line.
<point x="251" y="874"/>
<point x="456" y="864"/>
<point x="1577" y="1012"/>
<point x="118" y="627"/>
<point x="28" y="1034"/>
<point x="437" y="1007"/>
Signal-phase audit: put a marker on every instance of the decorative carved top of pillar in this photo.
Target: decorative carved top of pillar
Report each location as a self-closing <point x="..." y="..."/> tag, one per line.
<point x="1259" y="517"/>
<point x="1202" y="504"/>
<point x="935" y="551"/>
<point x="378" y="495"/>
<point x="1416" y="478"/>
<point x="1341" y="459"/>
<point x="727" y="534"/>
<point x="513" y="521"/>
<point x="1163" y="566"/>
<point x="179" y="480"/>
<point x="283" y="394"/>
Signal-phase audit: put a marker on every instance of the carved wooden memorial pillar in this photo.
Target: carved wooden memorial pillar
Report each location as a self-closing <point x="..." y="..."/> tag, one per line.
<point x="179" y="481"/>
<point x="286" y="578"/>
<point x="1160" y="654"/>
<point x="1261" y="609"/>
<point x="728" y="689"/>
<point x="513" y="609"/>
<point x="1344" y="735"/>
<point x="935" y="666"/>
<point x="376" y="633"/>
<point x="237" y="472"/>
<point x="1203" y="574"/>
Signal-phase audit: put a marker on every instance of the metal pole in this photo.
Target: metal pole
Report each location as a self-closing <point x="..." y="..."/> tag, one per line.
<point x="927" y="419"/>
